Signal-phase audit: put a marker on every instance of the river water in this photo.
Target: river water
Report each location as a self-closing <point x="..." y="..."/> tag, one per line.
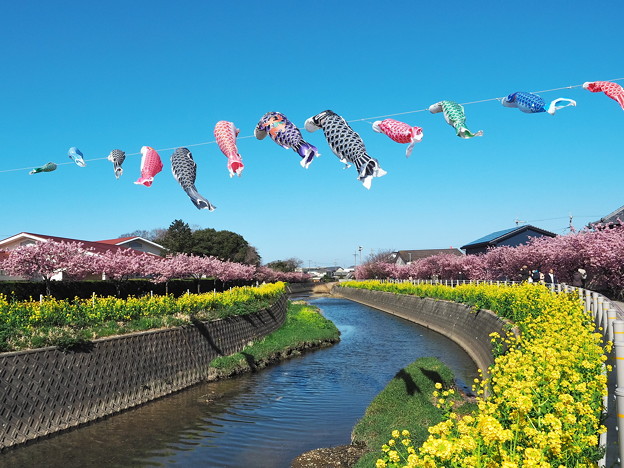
<point x="260" y="420"/>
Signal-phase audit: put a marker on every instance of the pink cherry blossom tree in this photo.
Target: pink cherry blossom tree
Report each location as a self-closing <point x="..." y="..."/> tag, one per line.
<point x="265" y="274"/>
<point x="120" y="264"/>
<point x="268" y="275"/>
<point x="599" y="251"/>
<point x="44" y="260"/>
<point x="230" y="271"/>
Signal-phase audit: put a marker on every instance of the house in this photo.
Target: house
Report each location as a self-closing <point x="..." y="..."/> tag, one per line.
<point x="136" y="243"/>
<point x="331" y="272"/>
<point x="611" y="220"/>
<point x="319" y="272"/>
<point x="96" y="247"/>
<point x="405" y="257"/>
<point x="342" y="273"/>
<point x="511" y="237"/>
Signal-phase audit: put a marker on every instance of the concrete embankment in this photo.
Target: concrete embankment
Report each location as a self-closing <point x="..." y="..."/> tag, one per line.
<point x="44" y="391"/>
<point x="310" y="288"/>
<point x="469" y="329"/>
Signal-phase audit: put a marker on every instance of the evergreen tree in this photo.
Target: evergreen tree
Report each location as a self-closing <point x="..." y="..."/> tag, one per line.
<point x="178" y="238"/>
<point x="225" y="245"/>
<point x="286" y="266"/>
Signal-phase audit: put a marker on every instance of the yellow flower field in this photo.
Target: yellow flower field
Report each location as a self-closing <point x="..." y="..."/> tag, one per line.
<point x="545" y="393"/>
<point x="77" y="319"/>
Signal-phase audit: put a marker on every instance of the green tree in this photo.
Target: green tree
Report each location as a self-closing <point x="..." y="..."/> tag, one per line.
<point x="225" y="245"/>
<point x="178" y="238"/>
<point x="288" y="265"/>
<point x="151" y="234"/>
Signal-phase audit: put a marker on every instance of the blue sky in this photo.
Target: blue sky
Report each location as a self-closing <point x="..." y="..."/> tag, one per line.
<point x="108" y="75"/>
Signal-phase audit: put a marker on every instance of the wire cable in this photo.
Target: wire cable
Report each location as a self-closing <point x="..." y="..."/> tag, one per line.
<point x="365" y="119"/>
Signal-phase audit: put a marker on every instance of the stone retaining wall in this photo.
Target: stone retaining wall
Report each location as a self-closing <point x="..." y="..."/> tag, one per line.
<point x="468" y="329"/>
<point x="297" y="288"/>
<point x="47" y="390"/>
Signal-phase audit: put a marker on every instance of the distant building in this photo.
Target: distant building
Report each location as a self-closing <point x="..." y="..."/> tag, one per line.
<point x="335" y="272"/>
<point x="512" y="237"/>
<point x="611" y="220"/>
<point x="316" y="273"/>
<point x="137" y="243"/>
<point x="405" y="257"/>
<point x="95" y="247"/>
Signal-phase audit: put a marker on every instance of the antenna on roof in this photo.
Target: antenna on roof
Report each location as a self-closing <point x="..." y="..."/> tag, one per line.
<point x="518" y="221"/>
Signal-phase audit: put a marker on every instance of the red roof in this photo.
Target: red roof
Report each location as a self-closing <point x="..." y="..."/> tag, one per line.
<point x="96" y="247"/>
<point x="117" y="241"/>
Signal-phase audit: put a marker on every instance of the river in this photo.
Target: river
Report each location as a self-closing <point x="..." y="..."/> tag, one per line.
<point x="260" y="420"/>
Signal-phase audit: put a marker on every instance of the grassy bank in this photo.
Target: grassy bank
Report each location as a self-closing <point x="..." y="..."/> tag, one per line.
<point x="66" y="323"/>
<point x="407" y="402"/>
<point x="304" y="328"/>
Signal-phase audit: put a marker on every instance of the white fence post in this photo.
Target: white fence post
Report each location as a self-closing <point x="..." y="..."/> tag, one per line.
<point x="618" y="344"/>
<point x="597" y="308"/>
<point x="588" y="303"/>
<point x="611" y="318"/>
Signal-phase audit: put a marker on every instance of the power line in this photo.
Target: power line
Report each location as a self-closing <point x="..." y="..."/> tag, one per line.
<point x="553" y="219"/>
<point x="365" y="119"/>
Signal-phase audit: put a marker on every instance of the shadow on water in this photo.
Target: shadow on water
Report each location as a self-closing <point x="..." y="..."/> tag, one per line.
<point x="263" y="419"/>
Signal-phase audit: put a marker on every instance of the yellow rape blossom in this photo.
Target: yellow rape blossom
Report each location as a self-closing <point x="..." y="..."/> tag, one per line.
<point x="545" y="393"/>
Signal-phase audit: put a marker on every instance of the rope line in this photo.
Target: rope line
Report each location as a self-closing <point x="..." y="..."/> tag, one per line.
<point x="365" y="119"/>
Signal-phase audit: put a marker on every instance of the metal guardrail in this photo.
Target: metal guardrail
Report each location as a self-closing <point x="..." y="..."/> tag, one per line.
<point x="609" y="320"/>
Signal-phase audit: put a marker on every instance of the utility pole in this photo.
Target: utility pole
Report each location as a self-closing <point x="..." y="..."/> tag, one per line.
<point x="360" y="249"/>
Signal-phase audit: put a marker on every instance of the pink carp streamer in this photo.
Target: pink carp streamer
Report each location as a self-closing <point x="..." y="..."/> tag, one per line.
<point x="150" y="166"/>
<point x="613" y="90"/>
<point x="400" y="132"/>
<point x="225" y="133"/>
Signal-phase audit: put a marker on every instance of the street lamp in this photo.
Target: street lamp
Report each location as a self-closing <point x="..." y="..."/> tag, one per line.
<point x="360" y="249"/>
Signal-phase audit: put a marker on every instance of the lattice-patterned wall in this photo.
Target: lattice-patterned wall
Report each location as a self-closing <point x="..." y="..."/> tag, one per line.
<point x="45" y="391"/>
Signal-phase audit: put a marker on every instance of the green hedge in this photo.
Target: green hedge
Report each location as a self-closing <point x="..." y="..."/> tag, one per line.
<point x="24" y="290"/>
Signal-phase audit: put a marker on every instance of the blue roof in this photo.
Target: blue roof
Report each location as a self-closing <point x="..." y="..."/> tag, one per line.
<point x="494" y="235"/>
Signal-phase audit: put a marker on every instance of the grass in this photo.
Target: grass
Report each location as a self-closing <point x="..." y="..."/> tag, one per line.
<point x="52" y="322"/>
<point x="304" y="327"/>
<point x="407" y="402"/>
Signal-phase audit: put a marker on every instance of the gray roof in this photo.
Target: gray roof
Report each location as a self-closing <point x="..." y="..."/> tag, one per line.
<point x="499" y="236"/>
<point x="612" y="218"/>
<point x="494" y="236"/>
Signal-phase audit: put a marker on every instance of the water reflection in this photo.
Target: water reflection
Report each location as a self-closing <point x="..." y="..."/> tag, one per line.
<point x="258" y="420"/>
